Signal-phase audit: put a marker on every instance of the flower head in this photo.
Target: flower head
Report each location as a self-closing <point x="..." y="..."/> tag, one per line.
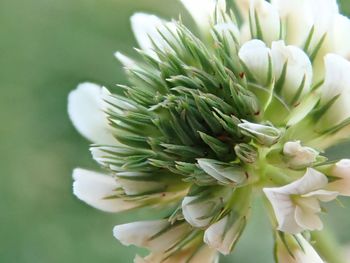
<point x="212" y="119"/>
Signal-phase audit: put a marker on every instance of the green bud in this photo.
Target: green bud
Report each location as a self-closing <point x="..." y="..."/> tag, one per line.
<point x="246" y="153"/>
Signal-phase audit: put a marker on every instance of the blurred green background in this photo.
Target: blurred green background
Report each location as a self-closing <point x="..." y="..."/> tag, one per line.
<point x="47" y="47"/>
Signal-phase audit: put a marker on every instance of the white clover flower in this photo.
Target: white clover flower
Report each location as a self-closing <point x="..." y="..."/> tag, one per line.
<point x="211" y="120"/>
<point x="296" y="205"/>
<point x="299" y="156"/>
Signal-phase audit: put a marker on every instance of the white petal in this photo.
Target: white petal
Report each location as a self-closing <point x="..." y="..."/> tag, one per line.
<point x="337" y="76"/>
<point x="346" y="251"/>
<point x="299" y="16"/>
<point x="199" y="210"/>
<point x="298" y="67"/>
<point x="284" y="209"/>
<point x="311" y="181"/>
<point x="268" y="20"/>
<point x="299" y="156"/>
<point x="264" y="134"/>
<point x="214" y="236"/>
<point x="103" y="155"/>
<point x="342" y="187"/>
<point x="292" y="148"/>
<point x="337" y="82"/>
<point x="245" y="34"/>
<point x="255" y="55"/>
<point x="137" y="187"/>
<point x="85" y="109"/>
<point x="307" y="219"/>
<point x="146" y="30"/>
<point x="194" y="212"/>
<point x="309" y="203"/>
<point x="307" y="254"/>
<point x="340" y="37"/>
<point x="142" y="234"/>
<point x="145" y="27"/>
<point x="341" y="170"/>
<point x="126" y="61"/>
<point x="203" y="11"/>
<point x="297" y="29"/>
<point x="221" y="237"/>
<point x="323" y="195"/>
<point x="93" y="188"/>
<point x="302" y="251"/>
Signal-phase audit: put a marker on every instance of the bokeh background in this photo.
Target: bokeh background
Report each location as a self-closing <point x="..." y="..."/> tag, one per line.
<point x="47" y="47"/>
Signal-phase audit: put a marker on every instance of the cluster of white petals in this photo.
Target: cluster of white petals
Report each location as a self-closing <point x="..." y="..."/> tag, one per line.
<point x="297" y="204"/>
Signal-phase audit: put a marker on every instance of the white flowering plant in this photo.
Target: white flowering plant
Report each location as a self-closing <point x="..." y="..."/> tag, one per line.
<point x="240" y="109"/>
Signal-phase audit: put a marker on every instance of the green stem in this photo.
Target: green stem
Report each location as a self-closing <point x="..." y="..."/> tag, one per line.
<point x="276" y="175"/>
<point x="327" y="246"/>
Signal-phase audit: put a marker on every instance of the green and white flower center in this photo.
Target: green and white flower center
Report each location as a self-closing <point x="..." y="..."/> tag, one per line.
<point x="211" y="121"/>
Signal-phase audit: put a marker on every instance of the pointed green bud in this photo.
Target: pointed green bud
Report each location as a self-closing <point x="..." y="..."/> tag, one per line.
<point x="220" y="148"/>
<point x="246" y="153"/>
<point x="263" y="134"/>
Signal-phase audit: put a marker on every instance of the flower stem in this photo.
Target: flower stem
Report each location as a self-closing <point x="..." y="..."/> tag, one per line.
<point x="327" y="246"/>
